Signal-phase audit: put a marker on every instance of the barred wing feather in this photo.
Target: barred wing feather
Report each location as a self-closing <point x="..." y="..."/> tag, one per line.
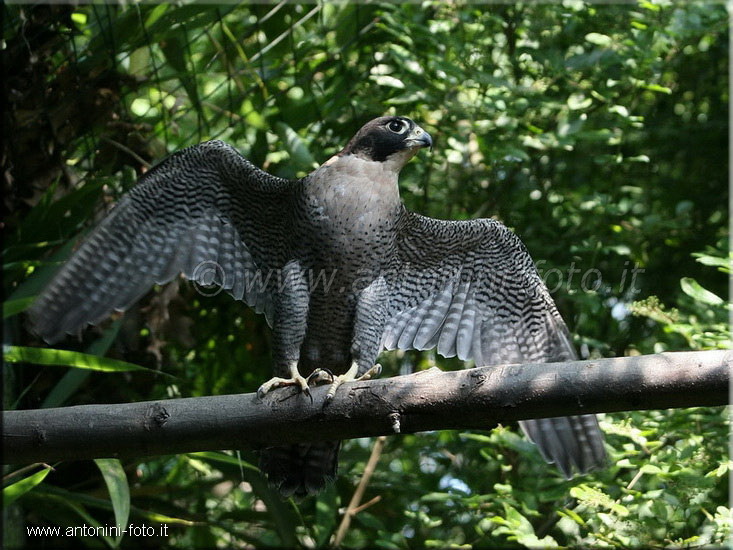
<point x="470" y="289"/>
<point x="205" y="212"/>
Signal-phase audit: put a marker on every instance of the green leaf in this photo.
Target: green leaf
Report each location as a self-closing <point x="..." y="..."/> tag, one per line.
<point x="41" y="276"/>
<point x="649" y="5"/>
<point x="51" y="219"/>
<point x="481" y="438"/>
<point x="13" y="307"/>
<point x="519" y="528"/>
<point x="657" y="88"/>
<point x="71" y="498"/>
<point x="155" y="14"/>
<point x="579" y="102"/>
<point x="62" y="357"/>
<point x="223" y="458"/>
<point x="437" y="497"/>
<point x="723" y="264"/>
<point x="119" y="491"/>
<point x="326" y="515"/>
<point x="387" y="80"/>
<point x="299" y="153"/>
<point x="693" y="289"/>
<point x="74" y="378"/>
<point x="619" y="110"/>
<point x="140" y="60"/>
<point x="599" y="39"/>
<point x="721" y="470"/>
<point x="81" y="512"/>
<point x="174" y="50"/>
<point x="79" y="18"/>
<point x="370" y="521"/>
<point x="12" y="492"/>
<point x="572" y="514"/>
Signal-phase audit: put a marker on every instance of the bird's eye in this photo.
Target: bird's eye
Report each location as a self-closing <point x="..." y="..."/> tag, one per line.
<point x="397" y="126"/>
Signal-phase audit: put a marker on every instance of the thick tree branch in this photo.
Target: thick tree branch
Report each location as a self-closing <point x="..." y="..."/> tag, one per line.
<point x="429" y="400"/>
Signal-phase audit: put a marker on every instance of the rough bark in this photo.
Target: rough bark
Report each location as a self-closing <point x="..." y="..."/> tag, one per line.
<point x="429" y="400"/>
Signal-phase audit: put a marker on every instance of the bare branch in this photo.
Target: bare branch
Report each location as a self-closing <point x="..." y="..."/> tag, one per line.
<point x="354" y="507"/>
<point x="429" y="400"/>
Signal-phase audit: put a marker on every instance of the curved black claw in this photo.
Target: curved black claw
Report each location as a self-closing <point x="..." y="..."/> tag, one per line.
<point x="316" y="375"/>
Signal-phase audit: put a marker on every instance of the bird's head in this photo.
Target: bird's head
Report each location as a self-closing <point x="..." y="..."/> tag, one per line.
<point x="393" y="139"/>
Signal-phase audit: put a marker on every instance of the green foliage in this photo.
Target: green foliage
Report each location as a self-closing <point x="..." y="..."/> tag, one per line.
<point x="17" y="489"/>
<point x="704" y="323"/>
<point x="40" y="356"/>
<point x="119" y="491"/>
<point x="597" y="132"/>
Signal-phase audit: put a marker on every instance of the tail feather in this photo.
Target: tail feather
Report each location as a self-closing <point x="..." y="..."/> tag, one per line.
<point x="570" y="442"/>
<point x="300" y="470"/>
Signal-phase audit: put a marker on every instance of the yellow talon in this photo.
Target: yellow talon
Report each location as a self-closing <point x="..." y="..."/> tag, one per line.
<point x="350" y="376"/>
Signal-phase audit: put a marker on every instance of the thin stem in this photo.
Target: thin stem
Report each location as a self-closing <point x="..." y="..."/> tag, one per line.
<point x="354" y="507"/>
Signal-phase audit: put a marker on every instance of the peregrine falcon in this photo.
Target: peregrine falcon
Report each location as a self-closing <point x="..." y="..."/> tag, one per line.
<point x="341" y="270"/>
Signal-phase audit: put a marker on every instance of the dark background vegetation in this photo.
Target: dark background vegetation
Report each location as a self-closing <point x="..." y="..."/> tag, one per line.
<point x="599" y="133"/>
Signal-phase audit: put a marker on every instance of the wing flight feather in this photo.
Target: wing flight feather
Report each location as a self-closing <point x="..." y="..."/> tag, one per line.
<point x="487" y="303"/>
<point x="205" y="212"/>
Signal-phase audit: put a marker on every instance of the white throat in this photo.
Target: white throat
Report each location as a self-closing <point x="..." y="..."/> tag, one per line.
<point x="396" y="161"/>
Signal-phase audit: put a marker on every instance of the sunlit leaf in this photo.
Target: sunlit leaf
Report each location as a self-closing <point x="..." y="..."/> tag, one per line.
<point x="13" y="307"/>
<point x="119" y="491"/>
<point x="599" y="39"/>
<point x="43" y="356"/>
<point x="693" y="289"/>
<point x="14" y="491"/>
<point x="224" y="458"/>
<point x="299" y="153"/>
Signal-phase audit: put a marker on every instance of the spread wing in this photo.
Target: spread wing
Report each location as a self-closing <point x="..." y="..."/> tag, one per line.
<point x="205" y="212"/>
<point x="470" y="289"/>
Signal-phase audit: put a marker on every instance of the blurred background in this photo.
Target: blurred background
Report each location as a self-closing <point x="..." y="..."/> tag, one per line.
<point x="598" y="133"/>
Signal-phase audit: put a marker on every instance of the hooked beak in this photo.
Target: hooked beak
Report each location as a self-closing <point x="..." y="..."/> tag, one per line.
<point x="419" y="138"/>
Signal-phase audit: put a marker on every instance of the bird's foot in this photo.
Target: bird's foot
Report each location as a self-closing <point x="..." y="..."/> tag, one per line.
<point x="295" y="380"/>
<point x="277" y="382"/>
<point x="350" y="376"/>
